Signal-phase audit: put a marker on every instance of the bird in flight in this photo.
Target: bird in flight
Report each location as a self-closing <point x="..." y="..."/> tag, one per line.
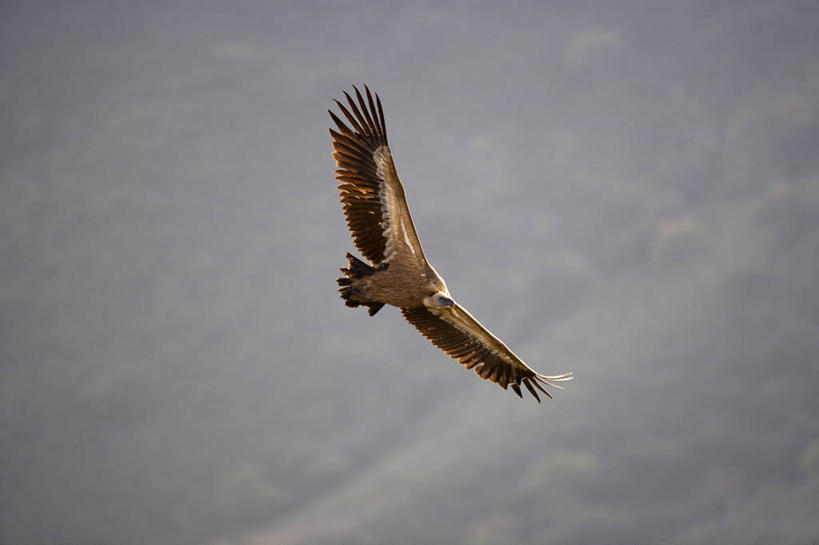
<point x="399" y="274"/>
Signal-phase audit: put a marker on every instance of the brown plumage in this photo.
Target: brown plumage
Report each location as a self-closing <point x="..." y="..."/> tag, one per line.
<point x="381" y="225"/>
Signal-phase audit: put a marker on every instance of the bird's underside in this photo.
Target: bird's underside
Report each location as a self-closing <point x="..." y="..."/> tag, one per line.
<point x="399" y="274"/>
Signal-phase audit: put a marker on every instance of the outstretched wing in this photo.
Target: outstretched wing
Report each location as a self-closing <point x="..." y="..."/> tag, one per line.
<point x="374" y="202"/>
<point x="456" y="332"/>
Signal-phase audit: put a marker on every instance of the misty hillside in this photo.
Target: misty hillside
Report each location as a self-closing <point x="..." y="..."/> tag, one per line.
<point x="626" y="190"/>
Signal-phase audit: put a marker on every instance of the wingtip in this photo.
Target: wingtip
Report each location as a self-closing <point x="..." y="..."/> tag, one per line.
<point x="551" y="380"/>
<point x="528" y="383"/>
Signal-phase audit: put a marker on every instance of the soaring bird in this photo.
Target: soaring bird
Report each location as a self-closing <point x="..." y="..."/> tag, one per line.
<point x="398" y="273"/>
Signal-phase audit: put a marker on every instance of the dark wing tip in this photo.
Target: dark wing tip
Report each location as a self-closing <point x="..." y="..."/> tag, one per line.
<point x="528" y="384"/>
<point x="365" y="115"/>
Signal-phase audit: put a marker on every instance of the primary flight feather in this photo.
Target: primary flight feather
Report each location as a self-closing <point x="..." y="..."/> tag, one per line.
<point x="399" y="274"/>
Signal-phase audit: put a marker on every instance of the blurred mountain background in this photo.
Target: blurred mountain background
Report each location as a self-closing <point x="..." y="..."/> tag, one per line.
<point x="628" y="190"/>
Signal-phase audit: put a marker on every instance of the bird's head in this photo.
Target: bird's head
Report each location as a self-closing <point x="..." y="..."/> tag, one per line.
<point x="438" y="299"/>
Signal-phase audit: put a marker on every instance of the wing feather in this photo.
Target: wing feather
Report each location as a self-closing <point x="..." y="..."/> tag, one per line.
<point x="462" y="337"/>
<point x="371" y="194"/>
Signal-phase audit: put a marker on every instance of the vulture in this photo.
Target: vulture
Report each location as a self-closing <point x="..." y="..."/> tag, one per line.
<point x="398" y="273"/>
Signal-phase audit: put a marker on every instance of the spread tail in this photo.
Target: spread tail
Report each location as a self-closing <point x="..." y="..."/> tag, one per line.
<point x="356" y="269"/>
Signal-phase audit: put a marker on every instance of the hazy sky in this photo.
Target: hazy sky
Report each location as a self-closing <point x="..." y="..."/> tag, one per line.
<point x="628" y="190"/>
